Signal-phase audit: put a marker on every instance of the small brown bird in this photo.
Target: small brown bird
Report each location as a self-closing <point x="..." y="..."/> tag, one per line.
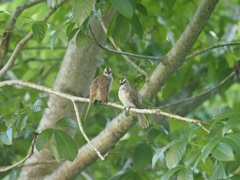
<point x="100" y="88"/>
<point x="131" y="98"/>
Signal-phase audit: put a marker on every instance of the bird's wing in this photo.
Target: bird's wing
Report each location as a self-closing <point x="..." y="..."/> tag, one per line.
<point x="135" y="97"/>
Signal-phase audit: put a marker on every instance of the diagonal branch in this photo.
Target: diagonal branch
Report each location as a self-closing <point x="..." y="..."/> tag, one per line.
<point x="200" y="94"/>
<point x="129" y="61"/>
<point x="18" y="164"/>
<point x="210" y="48"/>
<point x="9" y="29"/>
<point x="23" y="41"/>
<point x="83" y="132"/>
<point x="176" y="56"/>
<point x="121" y="52"/>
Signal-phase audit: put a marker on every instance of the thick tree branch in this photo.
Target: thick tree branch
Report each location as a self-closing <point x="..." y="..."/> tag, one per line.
<point x="176" y="56"/>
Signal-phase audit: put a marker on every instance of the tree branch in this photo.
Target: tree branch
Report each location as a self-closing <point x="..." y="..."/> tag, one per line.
<point x="86" y="100"/>
<point x="83" y="132"/>
<point x="10" y="26"/>
<point x="18" y="164"/>
<point x="176" y="56"/>
<point x="200" y="94"/>
<point x="123" y="53"/>
<point x="129" y="61"/>
<point x="210" y="48"/>
<point x="23" y="41"/>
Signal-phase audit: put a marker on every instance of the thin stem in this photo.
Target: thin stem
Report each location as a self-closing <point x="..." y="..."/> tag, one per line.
<point x="83" y="132"/>
<point x="123" y="55"/>
<point x="210" y="48"/>
<point x="6" y="168"/>
<point x="200" y="94"/>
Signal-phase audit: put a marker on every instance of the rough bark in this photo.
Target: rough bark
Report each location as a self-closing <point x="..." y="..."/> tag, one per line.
<point x="157" y="79"/>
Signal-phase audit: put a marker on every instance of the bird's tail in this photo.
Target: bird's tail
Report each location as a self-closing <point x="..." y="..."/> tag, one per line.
<point x="142" y="121"/>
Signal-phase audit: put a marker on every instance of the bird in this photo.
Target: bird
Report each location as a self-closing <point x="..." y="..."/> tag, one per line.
<point x="100" y="88"/>
<point x="131" y="98"/>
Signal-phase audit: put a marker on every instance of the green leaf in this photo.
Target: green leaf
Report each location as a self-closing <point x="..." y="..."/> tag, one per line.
<point x="82" y="10"/>
<point x="160" y="152"/>
<point x="227" y="114"/>
<point x="44" y="138"/>
<point x="118" y="175"/>
<point x="157" y="155"/>
<point x="120" y="29"/>
<point x="185" y="173"/>
<point x="142" y="9"/>
<point x="169" y="173"/>
<point x="39" y="105"/>
<point x="234" y="141"/>
<point x="124" y="7"/>
<point x="39" y="28"/>
<point x="142" y="156"/>
<point x="207" y="149"/>
<point x="70" y="28"/>
<point x="66" y="123"/>
<point x="6" y="137"/>
<point x="82" y="39"/>
<point x="66" y="146"/>
<point x="21" y="123"/>
<point x="72" y="33"/>
<point x="232" y="123"/>
<point x="153" y="134"/>
<point x="223" y="152"/>
<point x="175" y="154"/>
<point x="10" y="121"/>
<point x="56" y="33"/>
<point x="54" y="151"/>
<point x="170" y="3"/>
<point x="219" y="173"/>
<point x="137" y="26"/>
<point x="191" y="157"/>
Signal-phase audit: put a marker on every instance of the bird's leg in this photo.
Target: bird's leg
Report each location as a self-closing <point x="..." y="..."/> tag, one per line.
<point x="95" y="102"/>
<point x="127" y="108"/>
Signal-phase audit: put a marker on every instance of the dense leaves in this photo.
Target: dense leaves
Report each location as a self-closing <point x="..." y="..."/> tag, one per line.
<point x="169" y="149"/>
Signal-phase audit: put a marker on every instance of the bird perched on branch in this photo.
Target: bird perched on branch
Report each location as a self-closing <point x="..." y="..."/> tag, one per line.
<point x="131" y="98"/>
<point x="100" y="88"/>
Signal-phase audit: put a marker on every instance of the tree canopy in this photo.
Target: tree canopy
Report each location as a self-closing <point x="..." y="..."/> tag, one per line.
<point x="181" y="56"/>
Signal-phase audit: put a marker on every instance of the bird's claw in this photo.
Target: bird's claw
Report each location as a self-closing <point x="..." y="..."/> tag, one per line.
<point x="127" y="108"/>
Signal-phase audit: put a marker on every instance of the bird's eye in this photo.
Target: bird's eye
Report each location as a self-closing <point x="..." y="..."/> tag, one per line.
<point x="108" y="71"/>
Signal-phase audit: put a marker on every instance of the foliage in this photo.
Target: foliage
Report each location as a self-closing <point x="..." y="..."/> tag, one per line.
<point x="169" y="149"/>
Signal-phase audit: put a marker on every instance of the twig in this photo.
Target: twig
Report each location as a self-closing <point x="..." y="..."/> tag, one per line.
<point x="200" y="94"/>
<point x="6" y="168"/>
<point x="81" y="99"/>
<point x="23" y="41"/>
<point x="123" y="55"/>
<point x="210" y="48"/>
<point x="82" y="131"/>
<point x="10" y="26"/>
